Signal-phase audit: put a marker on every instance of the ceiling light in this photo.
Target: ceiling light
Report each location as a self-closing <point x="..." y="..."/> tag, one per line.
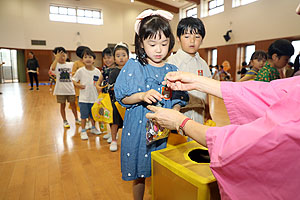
<point x="131" y="1"/>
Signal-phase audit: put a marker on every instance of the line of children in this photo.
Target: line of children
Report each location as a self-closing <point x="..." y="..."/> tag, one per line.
<point x="64" y="88"/>
<point x="190" y="34"/>
<point x="121" y="55"/>
<point x="279" y="53"/>
<point x="140" y="84"/>
<point x="89" y="77"/>
<point x="257" y="61"/>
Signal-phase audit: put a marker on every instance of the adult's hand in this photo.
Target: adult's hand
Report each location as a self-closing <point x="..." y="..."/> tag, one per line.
<point x="186" y="81"/>
<point x="181" y="81"/>
<point x="166" y="118"/>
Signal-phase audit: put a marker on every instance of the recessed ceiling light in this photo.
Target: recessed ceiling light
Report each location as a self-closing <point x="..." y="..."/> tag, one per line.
<point x="131" y="1"/>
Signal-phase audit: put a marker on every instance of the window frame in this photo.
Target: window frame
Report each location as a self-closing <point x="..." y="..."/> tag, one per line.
<point x="191" y="8"/>
<point x="71" y="17"/>
<point x="209" y="10"/>
<point x="237" y="3"/>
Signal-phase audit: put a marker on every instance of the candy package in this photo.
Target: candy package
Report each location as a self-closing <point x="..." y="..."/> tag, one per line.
<point x="154" y="132"/>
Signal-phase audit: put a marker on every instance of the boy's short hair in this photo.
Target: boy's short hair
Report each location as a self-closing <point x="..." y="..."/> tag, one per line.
<point x="244" y="63"/>
<point x="79" y="50"/>
<point x="107" y="51"/>
<point x="59" y="49"/>
<point x="281" y="47"/>
<point x="194" y="25"/>
<point x="88" y="52"/>
<point x="259" y="54"/>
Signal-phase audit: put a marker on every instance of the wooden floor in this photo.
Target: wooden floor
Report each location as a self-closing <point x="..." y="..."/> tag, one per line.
<point x="39" y="159"/>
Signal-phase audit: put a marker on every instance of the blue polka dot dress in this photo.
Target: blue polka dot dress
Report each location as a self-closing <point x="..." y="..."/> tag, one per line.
<point x="135" y="78"/>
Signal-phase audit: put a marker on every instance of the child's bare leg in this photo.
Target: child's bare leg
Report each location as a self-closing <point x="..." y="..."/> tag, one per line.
<point x="74" y="110"/>
<point x="138" y="188"/>
<point x="92" y="121"/>
<point x="63" y="111"/>
<point x="114" y="130"/>
<point x="83" y="122"/>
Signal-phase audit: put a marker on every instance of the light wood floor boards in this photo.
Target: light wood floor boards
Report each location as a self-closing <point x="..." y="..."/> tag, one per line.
<point x="39" y="159"/>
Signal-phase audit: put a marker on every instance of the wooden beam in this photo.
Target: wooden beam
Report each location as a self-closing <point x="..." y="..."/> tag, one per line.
<point x="195" y="1"/>
<point x="161" y="5"/>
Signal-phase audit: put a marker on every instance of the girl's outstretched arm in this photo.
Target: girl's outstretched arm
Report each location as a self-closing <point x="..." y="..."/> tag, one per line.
<point x="151" y="96"/>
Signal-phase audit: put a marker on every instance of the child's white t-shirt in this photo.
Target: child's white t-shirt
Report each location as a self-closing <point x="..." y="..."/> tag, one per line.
<point x="88" y="78"/>
<point x="64" y="84"/>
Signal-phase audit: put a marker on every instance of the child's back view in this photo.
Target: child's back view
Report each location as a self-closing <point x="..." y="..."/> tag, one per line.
<point x="190" y="33"/>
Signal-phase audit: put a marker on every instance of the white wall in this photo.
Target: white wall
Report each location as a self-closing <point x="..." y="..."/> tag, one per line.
<point x="24" y="20"/>
<point x="261" y="20"/>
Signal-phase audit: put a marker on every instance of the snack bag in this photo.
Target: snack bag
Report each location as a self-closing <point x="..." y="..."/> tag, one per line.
<point x="154" y="132"/>
<point x="102" y="109"/>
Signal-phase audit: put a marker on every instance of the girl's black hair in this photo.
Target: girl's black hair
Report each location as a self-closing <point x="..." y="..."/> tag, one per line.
<point x="194" y="25"/>
<point x="150" y="27"/>
<point x="107" y="51"/>
<point x="89" y="52"/>
<point x="259" y="54"/>
<point x="123" y="47"/>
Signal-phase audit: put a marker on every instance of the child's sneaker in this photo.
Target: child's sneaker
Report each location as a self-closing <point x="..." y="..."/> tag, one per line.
<point x="95" y="131"/>
<point x="113" y="146"/>
<point x="84" y="136"/>
<point x="37" y="88"/>
<point x="66" y="124"/>
<point x="78" y="122"/>
<point x="109" y="139"/>
<point x="106" y="136"/>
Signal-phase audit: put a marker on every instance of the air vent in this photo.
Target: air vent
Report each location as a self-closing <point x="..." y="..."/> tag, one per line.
<point x="38" y="42"/>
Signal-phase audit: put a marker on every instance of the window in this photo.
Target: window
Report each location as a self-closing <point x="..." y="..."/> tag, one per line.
<point x="296" y="45"/>
<point x="214" y="56"/>
<point x="249" y="50"/>
<point x="191" y="12"/>
<point x="75" y="15"/>
<point x="236" y="3"/>
<point x="215" y="7"/>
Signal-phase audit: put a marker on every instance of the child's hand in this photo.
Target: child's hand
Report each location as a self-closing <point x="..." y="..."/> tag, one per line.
<point x="58" y="55"/>
<point x="151" y="96"/>
<point x="81" y="86"/>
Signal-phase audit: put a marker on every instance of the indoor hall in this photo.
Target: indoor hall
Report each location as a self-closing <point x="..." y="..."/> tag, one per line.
<point x="40" y="159"/>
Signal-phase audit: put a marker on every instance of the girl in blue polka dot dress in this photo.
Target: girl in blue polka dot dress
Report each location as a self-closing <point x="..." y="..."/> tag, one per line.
<point x="140" y="84"/>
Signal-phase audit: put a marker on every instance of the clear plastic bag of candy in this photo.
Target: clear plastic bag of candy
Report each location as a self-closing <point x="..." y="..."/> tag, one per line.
<point x="154" y="132"/>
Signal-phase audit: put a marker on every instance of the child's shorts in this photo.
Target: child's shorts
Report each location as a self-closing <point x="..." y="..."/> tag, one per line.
<point x="63" y="98"/>
<point x="85" y="110"/>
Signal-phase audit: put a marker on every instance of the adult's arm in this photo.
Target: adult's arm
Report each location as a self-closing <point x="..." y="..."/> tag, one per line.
<point x="247" y="101"/>
<point x="186" y="81"/>
<point x="246" y="157"/>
